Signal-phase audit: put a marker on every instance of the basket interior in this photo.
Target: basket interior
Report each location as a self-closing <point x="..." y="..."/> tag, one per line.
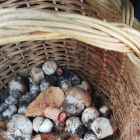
<point x="106" y="70"/>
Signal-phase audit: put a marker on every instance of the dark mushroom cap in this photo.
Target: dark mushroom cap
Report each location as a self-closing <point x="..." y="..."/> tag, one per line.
<point x="17" y="86"/>
<point x="49" y="80"/>
<point x="72" y="77"/>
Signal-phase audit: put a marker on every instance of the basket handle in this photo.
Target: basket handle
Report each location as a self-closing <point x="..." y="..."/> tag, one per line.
<point x="128" y="18"/>
<point x="28" y="25"/>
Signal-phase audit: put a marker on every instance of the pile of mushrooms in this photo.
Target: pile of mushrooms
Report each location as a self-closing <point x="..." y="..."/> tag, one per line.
<point x="53" y="104"/>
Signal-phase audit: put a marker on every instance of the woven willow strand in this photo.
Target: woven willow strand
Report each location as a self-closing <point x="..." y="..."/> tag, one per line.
<point x="26" y="24"/>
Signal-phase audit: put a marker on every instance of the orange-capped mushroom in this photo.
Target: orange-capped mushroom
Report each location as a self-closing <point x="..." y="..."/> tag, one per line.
<point x="48" y="104"/>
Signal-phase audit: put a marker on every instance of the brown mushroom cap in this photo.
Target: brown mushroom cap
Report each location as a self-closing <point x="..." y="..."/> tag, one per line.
<point x="80" y="94"/>
<point x="3" y="134"/>
<point x="87" y="86"/>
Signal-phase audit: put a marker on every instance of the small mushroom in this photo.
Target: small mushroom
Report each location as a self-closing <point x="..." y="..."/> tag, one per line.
<point x="3" y="134"/>
<point x="105" y="111"/>
<point x="89" y="115"/>
<point x="37" y="74"/>
<point x="59" y="72"/>
<point x="35" y="87"/>
<point x="24" y="99"/>
<point x="57" y="126"/>
<point x="22" y="109"/>
<point x="85" y="85"/>
<point x="3" y="107"/>
<point x="49" y="80"/>
<point x="103" y="127"/>
<point x="20" y="125"/>
<point x="2" y="125"/>
<point x="17" y="86"/>
<point x="90" y="136"/>
<point x="10" y="100"/>
<point x="63" y="83"/>
<point x="37" y="122"/>
<point x="49" y="67"/>
<point x="75" y="101"/>
<point x="46" y="126"/>
<point x="50" y="97"/>
<point x="72" y="106"/>
<point x="8" y="112"/>
<point x="75" y="127"/>
<point x="72" y="77"/>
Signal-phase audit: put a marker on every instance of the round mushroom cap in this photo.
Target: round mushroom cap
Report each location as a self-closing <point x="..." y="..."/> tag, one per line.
<point x="90" y="136"/>
<point x="37" y="74"/>
<point x="35" y="87"/>
<point x="72" y="106"/>
<point x="49" y="67"/>
<point x="17" y="86"/>
<point x="75" y="127"/>
<point x="46" y="126"/>
<point x="105" y="111"/>
<point x="80" y="94"/>
<point x="89" y="115"/>
<point x="21" y="123"/>
<point x="37" y="122"/>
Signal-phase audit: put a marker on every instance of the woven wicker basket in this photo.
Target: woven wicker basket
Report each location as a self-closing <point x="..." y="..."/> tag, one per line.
<point x="79" y="43"/>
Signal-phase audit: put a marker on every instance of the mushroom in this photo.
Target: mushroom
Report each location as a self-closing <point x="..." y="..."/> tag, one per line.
<point x="49" y="67"/>
<point x="8" y="112"/>
<point x="103" y="127"/>
<point x="89" y="115"/>
<point x="20" y="125"/>
<point x="22" y="109"/>
<point x="75" y="127"/>
<point x="63" y="83"/>
<point x="46" y="126"/>
<point x="59" y="72"/>
<point x="3" y="107"/>
<point x="37" y="74"/>
<point x="49" y="136"/>
<point x="49" y="80"/>
<point x="72" y="77"/>
<point x="75" y="101"/>
<point x="37" y="122"/>
<point x="17" y="86"/>
<point x="57" y="126"/>
<point x="85" y="85"/>
<point x="35" y="87"/>
<point x="72" y="106"/>
<point x="10" y="100"/>
<point x="47" y="104"/>
<point x="2" y="125"/>
<point x="105" y="111"/>
<point x="90" y="136"/>
<point x="3" y="135"/>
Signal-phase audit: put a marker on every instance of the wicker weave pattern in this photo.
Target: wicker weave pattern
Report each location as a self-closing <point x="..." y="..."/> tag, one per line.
<point x="109" y="72"/>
